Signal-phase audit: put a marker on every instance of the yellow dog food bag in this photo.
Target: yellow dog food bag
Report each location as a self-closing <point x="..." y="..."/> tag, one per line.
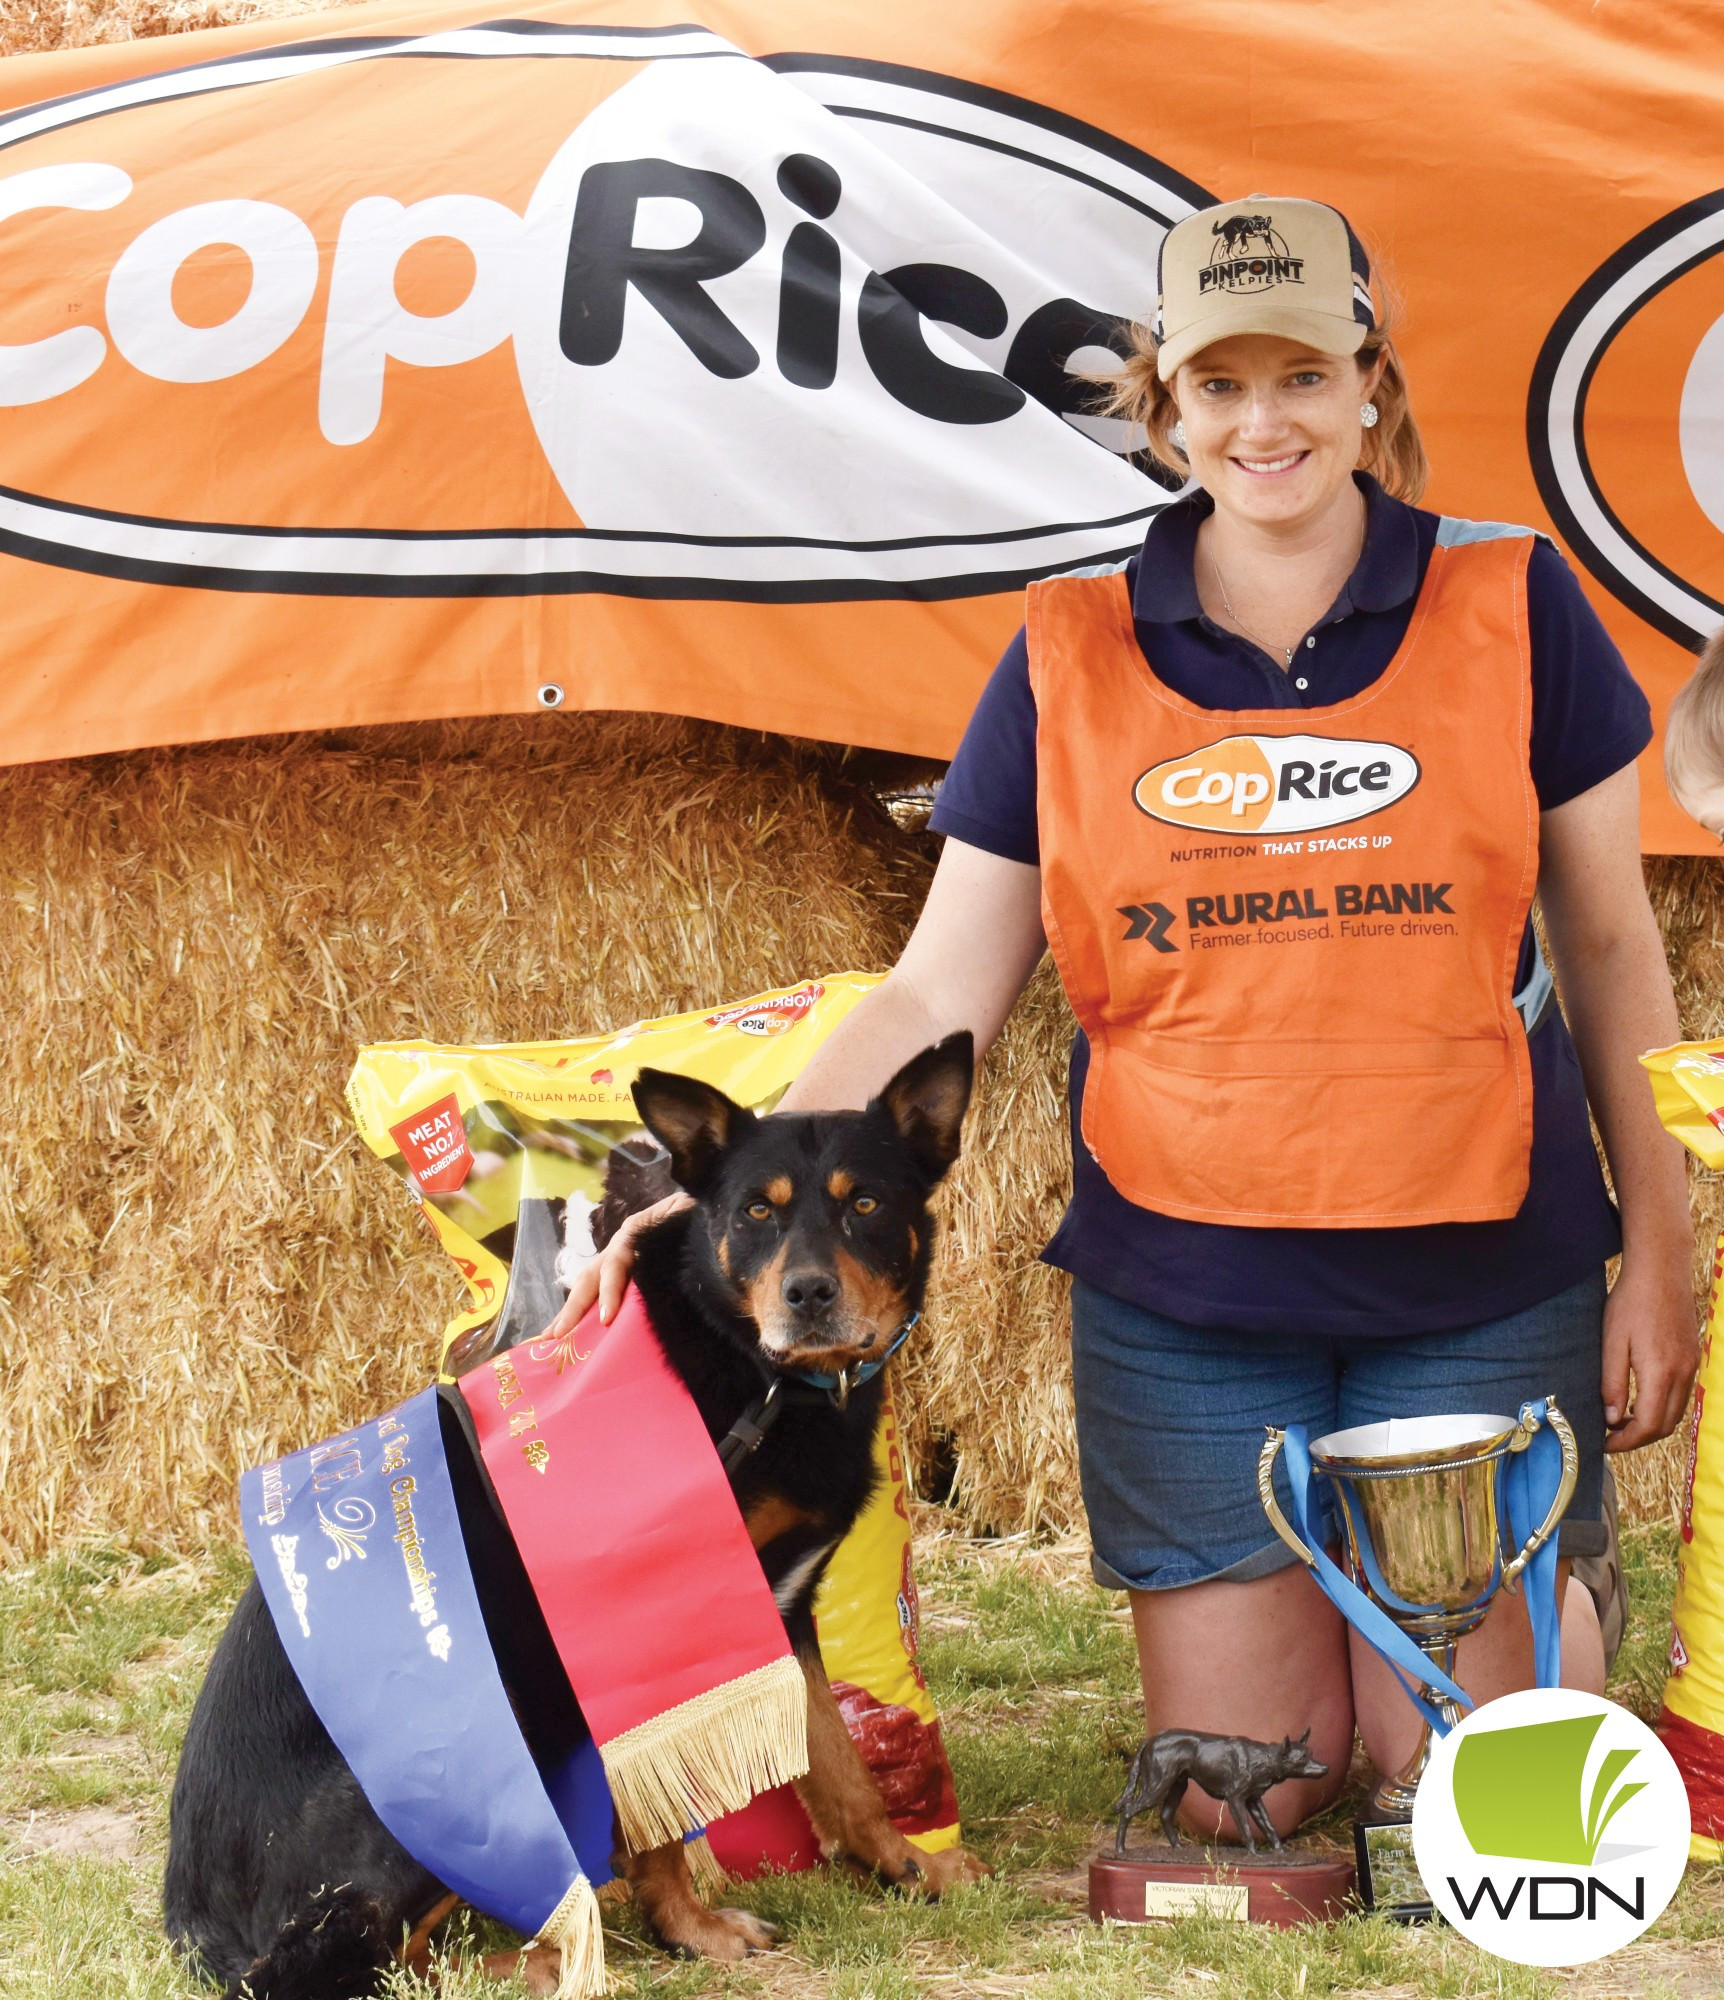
<point x="1688" y="1086"/>
<point x="524" y="1158"/>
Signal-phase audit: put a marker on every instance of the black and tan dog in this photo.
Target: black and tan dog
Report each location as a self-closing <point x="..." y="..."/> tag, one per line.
<point x="805" y="1254"/>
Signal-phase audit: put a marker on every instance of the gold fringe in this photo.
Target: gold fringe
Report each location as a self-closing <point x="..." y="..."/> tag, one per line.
<point x="574" y="1928"/>
<point x="706" y="1868"/>
<point x="709" y="1756"/>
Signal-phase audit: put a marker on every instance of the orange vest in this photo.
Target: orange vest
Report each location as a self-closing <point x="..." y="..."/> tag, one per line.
<point x="1291" y="935"/>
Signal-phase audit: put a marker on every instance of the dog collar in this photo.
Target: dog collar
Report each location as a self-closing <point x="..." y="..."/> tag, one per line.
<point x="748" y="1433"/>
<point x="839" y="1386"/>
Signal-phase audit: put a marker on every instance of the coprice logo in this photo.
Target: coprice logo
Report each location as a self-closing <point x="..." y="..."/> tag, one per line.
<point x="1551" y="1827"/>
<point x="1276" y="784"/>
<point x="689" y="323"/>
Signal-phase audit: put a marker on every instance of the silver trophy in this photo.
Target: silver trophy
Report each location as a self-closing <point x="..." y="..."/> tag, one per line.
<point x="1422" y="1507"/>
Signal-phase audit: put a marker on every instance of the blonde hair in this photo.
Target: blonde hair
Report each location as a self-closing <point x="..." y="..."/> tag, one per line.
<point x="1694" y="729"/>
<point x="1392" y="452"/>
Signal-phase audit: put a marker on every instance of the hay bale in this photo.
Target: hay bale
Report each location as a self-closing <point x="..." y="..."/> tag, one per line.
<point x="33" y="27"/>
<point x="991" y="1386"/>
<point x="200" y="1266"/>
<point x="198" y="1262"/>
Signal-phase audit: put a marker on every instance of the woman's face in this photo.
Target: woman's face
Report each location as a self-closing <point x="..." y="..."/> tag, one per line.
<point x="1271" y="427"/>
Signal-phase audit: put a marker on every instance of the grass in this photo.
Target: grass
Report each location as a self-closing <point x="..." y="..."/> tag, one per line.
<point x="101" y="1654"/>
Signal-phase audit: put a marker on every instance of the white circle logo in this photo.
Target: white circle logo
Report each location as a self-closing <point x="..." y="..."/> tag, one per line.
<point x="1551" y="1827"/>
<point x="1670" y="581"/>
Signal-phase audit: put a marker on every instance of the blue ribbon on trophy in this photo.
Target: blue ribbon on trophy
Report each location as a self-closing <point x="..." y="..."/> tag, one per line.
<point x="1438" y="1514"/>
<point x="1533" y="1465"/>
<point x="358" y="1540"/>
<point x="1533" y="1482"/>
<point x="1379" y="1631"/>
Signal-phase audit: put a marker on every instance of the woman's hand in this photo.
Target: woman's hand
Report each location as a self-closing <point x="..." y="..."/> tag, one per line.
<point x="1649" y="1328"/>
<point x="606" y="1276"/>
<point x="1616" y="993"/>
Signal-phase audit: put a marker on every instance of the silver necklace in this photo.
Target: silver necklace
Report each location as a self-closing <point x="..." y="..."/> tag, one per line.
<point x="1256" y="638"/>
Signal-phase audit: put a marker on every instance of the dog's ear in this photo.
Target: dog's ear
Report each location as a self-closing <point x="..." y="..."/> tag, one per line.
<point x="693" y="1121"/>
<point x="928" y="1097"/>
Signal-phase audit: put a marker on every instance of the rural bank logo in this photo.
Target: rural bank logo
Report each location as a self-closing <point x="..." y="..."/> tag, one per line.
<point x="1276" y="784"/>
<point x="1551" y="1827"/>
<point x="536" y="307"/>
<point x="1250" y="255"/>
<point x="1625" y="422"/>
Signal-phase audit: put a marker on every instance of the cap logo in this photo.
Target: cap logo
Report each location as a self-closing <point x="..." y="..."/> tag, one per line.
<point x="1250" y="254"/>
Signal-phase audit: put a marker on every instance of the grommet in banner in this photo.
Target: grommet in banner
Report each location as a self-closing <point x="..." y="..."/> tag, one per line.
<point x="550" y="695"/>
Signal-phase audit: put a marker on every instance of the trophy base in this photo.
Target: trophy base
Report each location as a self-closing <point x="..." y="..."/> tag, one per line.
<point x="1389" y="1880"/>
<point x="1152" y="1884"/>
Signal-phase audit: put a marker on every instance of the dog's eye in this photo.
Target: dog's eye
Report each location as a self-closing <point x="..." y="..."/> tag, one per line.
<point x="865" y="1204"/>
<point x="760" y="1211"/>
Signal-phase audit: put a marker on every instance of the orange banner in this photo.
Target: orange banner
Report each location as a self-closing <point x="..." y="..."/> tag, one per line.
<point x="404" y="362"/>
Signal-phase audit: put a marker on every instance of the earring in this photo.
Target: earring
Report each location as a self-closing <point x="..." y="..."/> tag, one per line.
<point x="1176" y="436"/>
<point x="1367" y="415"/>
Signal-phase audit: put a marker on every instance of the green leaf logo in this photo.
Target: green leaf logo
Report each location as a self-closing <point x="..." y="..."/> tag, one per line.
<point x="1518" y="1791"/>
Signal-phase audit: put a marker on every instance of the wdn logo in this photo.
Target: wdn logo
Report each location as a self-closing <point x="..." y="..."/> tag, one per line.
<point x="1551" y="1827"/>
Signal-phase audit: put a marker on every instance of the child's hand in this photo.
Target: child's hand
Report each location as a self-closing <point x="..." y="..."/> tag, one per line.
<point x="1649" y="1330"/>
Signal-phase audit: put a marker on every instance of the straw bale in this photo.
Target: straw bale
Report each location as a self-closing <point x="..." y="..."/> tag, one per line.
<point x="33" y="27"/>
<point x="199" y="1265"/>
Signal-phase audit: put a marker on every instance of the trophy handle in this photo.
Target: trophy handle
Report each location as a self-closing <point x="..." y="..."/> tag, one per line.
<point x="1272" y="1442"/>
<point x="1564" y="1491"/>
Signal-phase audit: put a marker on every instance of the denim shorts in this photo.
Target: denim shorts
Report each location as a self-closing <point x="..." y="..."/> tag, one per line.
<point x="1170" y="1419"/>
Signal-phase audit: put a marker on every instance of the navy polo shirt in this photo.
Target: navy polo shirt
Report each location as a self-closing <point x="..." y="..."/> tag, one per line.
<point x="1589" y="719"/>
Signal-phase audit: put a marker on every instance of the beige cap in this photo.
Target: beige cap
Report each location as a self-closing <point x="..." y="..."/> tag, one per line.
<point x="1262" y="265"/>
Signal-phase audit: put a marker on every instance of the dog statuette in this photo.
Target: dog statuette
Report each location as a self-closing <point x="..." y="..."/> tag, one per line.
<point x="1282" y="1885"/>
<point x="1233" y="1770"/>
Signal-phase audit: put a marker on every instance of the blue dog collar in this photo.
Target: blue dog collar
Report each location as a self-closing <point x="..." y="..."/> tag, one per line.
<point x="840" y="1385"/>
<point x="748" y="1433"/>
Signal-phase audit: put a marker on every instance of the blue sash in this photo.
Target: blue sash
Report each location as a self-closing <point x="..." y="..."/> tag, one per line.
<point x="358" y="1549"/>
<point x="1530" y="1480"/>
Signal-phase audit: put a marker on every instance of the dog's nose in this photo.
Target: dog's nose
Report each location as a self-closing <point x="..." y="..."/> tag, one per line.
<point x="809" y="1293"/>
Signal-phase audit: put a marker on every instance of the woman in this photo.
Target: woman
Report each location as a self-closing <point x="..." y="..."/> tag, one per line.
<point x="1324" y="1170"/>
